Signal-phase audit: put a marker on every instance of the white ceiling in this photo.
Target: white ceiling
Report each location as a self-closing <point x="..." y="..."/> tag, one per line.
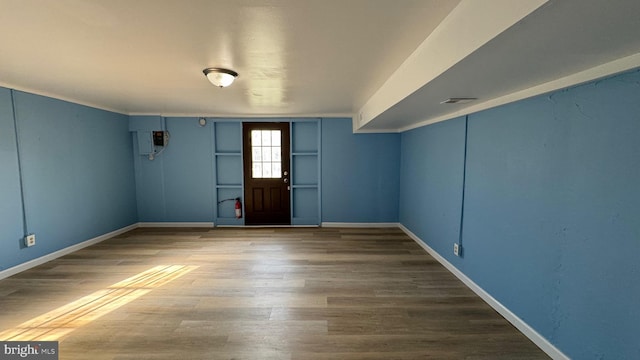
<point x="388" y="62"/>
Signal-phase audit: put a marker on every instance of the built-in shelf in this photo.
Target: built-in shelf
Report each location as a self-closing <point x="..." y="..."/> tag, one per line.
<point x="227" y="170"/>
<point x="305" y="171"/>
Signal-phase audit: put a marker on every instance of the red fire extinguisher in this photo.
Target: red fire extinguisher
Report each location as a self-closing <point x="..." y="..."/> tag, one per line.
<point x="238" y="208"/>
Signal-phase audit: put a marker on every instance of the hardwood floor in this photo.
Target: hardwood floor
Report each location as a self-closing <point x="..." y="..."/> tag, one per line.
<point x="291" y="293"/>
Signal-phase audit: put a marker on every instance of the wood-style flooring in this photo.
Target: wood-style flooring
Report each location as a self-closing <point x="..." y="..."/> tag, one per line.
<point x="268" y="293"/>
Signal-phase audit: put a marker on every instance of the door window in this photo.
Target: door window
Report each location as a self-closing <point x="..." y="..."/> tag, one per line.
<point x="266" y="154"/>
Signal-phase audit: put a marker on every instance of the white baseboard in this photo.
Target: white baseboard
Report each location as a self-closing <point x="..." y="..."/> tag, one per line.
<point x="527" y="330"/>
<point x="359" y="225"/>
<point x="176" y="224"/>
<point x="68" y="250"/>
<point x="267" y="226"/>
<point x="524" y="328"/>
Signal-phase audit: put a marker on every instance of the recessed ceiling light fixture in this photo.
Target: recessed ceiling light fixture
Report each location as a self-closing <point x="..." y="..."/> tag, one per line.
<point x="459" y="100"/>
<point x="220" y="77"/>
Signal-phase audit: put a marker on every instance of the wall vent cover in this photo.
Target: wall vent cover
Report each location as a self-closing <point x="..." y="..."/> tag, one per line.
<point x="459" y="100"/>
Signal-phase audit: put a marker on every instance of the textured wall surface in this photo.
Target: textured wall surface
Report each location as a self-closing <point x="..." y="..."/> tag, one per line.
<point x="551" y="204"/>
<point x="360" y="174"/>
<point x="77" y="174"/>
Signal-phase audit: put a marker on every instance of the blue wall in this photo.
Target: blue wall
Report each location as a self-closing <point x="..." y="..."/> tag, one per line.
<point x="77" y="174"/>
<point x="360" y="174"/>
<point x="550" y="215"/>
<point x="551" y="210"/>
<point x="11" y="229"/>
<point x="177" y="186"/>
<point x="431" y="183"/>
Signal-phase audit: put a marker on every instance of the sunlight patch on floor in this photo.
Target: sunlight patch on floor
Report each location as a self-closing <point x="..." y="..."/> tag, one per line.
<point x="63" y="320"/>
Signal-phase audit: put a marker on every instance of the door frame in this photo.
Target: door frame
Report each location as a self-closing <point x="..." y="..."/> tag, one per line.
<point x="284" y="181"/>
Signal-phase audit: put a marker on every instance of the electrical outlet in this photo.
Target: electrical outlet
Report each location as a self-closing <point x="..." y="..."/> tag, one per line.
<point x="30" y="240"/>
<point x="456" y="249"/>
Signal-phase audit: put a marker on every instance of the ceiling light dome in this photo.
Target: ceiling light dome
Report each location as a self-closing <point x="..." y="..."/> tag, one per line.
<point x="220" y="77"/>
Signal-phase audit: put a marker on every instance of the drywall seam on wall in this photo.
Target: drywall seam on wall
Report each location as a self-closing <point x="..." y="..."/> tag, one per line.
<point x="464" y="183"/>
<point x="25" y="226"/>
<point x="522" y="326"/>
